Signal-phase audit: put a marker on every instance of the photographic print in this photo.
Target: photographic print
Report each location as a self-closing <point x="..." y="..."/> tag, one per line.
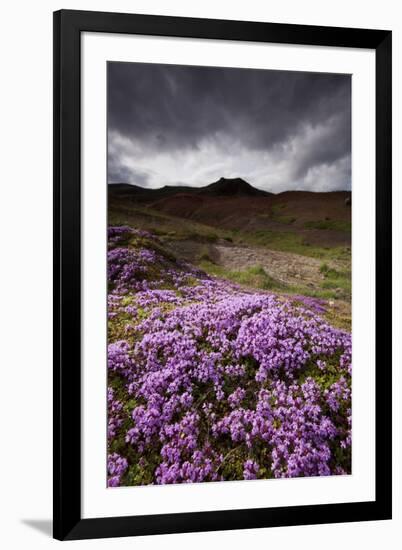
<point x="229" y="274"/>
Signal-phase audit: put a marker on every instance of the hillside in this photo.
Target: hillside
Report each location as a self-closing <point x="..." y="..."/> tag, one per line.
<point x="322" y="219"/>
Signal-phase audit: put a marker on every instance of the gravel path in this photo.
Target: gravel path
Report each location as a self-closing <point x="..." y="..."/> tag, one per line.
<point x="285" y="267"/>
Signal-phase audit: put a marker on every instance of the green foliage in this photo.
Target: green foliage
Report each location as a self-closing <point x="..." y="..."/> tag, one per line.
<point x="232" y="465"/>
<point x="141" y="471"/>
<point x="324" y="378"/>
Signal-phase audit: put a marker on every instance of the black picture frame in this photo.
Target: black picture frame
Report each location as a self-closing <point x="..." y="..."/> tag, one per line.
<point x="68" y="522"/>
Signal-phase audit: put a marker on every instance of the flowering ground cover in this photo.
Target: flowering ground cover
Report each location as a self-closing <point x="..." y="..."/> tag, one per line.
<point x="209" y="381"/>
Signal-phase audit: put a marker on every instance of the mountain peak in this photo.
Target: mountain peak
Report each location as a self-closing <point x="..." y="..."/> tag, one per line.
<point x="232" y="187"/>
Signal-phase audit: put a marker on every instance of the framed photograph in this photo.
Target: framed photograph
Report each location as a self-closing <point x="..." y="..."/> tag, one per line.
<point x="222" y="256"/>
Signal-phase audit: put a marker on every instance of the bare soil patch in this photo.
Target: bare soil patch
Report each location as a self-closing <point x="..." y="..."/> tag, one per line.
<point x="287" y="268"/>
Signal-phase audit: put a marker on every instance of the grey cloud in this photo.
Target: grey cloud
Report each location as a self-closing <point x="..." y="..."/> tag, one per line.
<point x="118" y="173"/>
<point x="159" y="113"/>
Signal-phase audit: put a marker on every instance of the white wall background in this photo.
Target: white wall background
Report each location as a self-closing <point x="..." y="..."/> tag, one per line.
<point x="26" y="270"/>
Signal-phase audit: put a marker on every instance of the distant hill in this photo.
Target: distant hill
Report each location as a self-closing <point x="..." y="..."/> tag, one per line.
<point x="232" y="187"/>
<point x="224" y="187"/>
<point x="145" y="194"/>
<point x="234" y="204"/>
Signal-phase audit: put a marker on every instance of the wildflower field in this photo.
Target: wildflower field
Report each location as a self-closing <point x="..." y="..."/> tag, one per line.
<point x="210" y="381"/>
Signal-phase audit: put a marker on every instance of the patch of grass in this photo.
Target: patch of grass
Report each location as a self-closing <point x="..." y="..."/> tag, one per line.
<point x="254" y="276"/>
<point x="276" y="240"/>
<point x="293" y="242"/>
<point x="204" y="255"/>
<point x="324" y="268"/>
<point x="338" y="280"/>
<point x="335" y="225"/>
<point x="278" y="215"/>
<point x="277" y="208"/>
<point x="325" y="294"/>
<point x="340" y="319"/>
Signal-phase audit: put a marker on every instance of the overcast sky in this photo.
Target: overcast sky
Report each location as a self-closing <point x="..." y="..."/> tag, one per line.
<point x="179" y="125"/>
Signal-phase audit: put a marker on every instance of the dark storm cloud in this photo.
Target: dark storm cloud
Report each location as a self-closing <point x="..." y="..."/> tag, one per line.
<point x="175" y="123"/>
<point x="118" y="173"/>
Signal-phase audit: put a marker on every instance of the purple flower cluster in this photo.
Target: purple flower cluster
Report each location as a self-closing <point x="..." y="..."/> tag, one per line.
<point x="115" y="419"/>
<point x="251" y="469"/>
<point x="315" y="304"/>
<point x="210" y="382"/>
<point x="116" y="466"/>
